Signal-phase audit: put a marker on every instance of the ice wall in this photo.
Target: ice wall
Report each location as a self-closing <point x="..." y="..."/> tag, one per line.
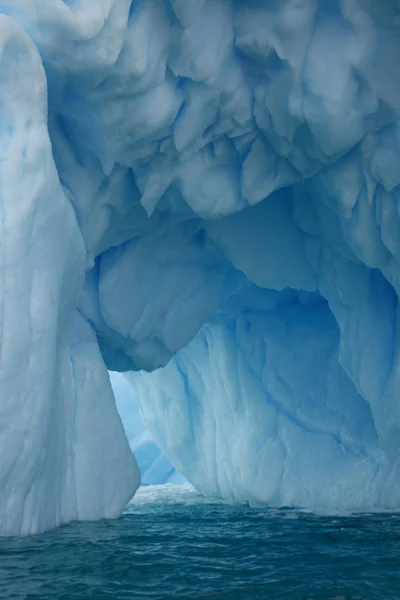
<point x="258" y="409"/>
<point x="170" y="163"/>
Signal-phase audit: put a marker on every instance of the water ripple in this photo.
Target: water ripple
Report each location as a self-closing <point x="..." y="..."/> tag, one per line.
<point x="171" y="543"/>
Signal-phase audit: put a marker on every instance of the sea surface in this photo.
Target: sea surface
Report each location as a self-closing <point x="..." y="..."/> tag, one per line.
<point x="172" y="543"/>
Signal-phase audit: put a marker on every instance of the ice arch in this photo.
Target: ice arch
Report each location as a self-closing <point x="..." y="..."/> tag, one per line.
<point x="199" y="207"/>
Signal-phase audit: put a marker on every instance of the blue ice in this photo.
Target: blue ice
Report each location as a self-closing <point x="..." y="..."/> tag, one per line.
<point x="204" y="195"/>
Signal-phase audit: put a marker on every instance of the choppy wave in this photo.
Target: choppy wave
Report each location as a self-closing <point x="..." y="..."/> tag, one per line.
<point x="171" y="543"/>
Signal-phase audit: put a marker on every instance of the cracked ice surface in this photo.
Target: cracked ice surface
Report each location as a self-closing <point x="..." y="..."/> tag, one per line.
<point x="209" y="188"/>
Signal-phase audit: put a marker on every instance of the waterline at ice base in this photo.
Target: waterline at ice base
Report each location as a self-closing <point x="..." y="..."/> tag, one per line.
<point x="202" y="195"/>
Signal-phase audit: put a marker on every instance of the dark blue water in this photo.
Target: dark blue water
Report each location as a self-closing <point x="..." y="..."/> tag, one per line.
<point x="172" y="544"/>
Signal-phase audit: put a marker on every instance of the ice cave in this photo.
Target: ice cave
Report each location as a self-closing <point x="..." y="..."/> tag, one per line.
<point x="203" y="198"/>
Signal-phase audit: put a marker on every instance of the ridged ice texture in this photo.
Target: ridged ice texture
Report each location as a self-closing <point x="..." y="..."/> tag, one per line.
<point x="170" y="163"/>
<point x="240" y="428"/>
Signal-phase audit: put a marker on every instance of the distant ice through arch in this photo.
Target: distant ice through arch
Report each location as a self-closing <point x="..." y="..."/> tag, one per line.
<point x="154" y="466"/>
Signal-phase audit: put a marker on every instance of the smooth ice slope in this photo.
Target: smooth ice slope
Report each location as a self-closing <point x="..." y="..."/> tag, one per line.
<point x="209" y="186"/>
<point x="154" y="466"/>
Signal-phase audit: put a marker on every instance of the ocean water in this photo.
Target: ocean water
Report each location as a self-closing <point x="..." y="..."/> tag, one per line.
<point x="172" y="543"/>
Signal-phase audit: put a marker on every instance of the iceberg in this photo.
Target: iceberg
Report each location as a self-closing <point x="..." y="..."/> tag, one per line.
<point x="203" y="195"/>
<point x="155" y="468"/>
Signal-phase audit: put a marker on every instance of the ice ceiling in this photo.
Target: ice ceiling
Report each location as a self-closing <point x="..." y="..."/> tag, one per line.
<point x="204" y="193"/>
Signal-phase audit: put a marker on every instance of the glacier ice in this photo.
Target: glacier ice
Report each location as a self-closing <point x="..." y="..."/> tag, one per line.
<point x="204" y="194"/>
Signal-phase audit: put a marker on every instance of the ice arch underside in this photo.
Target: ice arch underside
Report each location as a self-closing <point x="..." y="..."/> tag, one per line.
<point x="210" y="187"/>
